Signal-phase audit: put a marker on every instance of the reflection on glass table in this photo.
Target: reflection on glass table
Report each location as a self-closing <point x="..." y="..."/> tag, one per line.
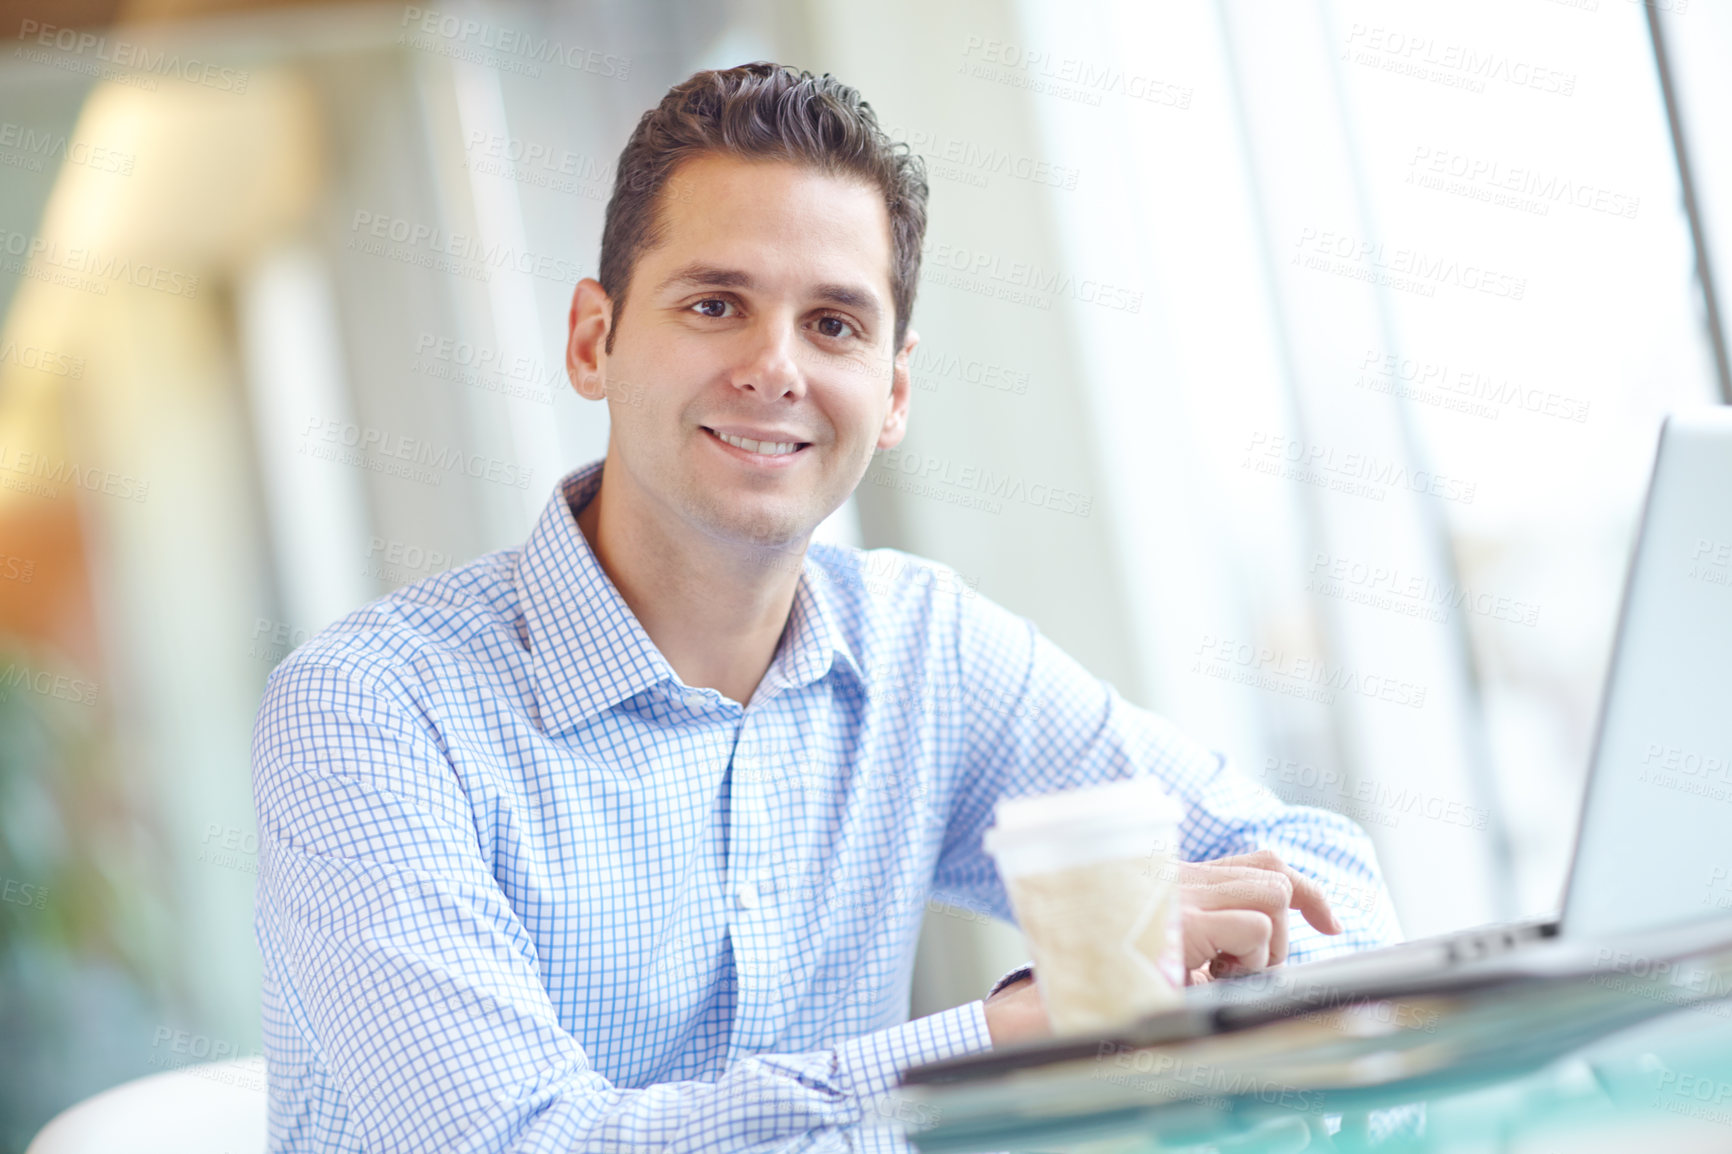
<point x="1632" y="1056"/>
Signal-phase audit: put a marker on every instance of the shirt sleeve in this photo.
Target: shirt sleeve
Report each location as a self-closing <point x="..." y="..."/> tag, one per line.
<point x="396" y="950"/>
<point x="1037" y="722"/>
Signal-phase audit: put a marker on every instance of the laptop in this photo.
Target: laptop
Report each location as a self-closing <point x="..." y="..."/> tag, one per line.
<point x="1653" y="855"/>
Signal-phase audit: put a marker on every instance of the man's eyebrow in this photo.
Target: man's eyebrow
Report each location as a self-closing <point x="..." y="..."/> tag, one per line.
<point x="850" y="297"/>
<point x="861" y="300"/>
<point x="707" y="276"/>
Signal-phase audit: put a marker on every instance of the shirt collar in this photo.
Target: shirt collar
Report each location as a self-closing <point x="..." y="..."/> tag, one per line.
<point x="814" y="642"/>
<point x="589" y="651"/>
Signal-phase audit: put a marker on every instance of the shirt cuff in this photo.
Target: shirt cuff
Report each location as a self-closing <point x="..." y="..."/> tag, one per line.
<point x="874" y="1062"/>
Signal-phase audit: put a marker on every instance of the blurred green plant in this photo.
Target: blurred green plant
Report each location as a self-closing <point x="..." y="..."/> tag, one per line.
<point x="85" y="920"/>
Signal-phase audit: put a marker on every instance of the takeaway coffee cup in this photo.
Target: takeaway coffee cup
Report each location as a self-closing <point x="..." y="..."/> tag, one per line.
<point x="1090" y="877"/>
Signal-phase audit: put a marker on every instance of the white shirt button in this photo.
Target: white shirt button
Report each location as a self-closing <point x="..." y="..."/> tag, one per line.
<point x="746" y="894"/>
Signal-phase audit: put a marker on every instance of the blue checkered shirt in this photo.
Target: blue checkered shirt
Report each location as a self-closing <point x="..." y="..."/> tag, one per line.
<point x="522" y="889"/>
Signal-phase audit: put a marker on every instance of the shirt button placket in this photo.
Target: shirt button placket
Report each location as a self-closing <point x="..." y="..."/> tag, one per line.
<point x="761" y="1008"/>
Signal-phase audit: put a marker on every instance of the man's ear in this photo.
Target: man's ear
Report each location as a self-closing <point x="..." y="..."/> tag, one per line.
<point x="586" y="345"/>
<point x="896" y="420"/>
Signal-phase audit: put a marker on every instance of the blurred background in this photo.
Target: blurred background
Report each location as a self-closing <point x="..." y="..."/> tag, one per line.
<point x="1296" y="366"/>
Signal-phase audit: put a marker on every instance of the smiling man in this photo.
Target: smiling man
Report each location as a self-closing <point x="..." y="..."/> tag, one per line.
<point x="621" y="840"/>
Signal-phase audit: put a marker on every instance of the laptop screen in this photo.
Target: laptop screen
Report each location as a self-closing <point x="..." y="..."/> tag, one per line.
<point x="1655" y="847"/>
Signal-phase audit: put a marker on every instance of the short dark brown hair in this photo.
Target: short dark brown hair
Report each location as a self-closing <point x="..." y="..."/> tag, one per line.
<point x="763" y="111"/>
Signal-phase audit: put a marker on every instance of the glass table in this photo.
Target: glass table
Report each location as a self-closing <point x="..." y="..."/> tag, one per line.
<point x="1663" y="1083"/>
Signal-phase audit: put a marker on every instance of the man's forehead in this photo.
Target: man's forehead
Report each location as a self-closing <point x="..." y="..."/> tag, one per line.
<point x="730" y="222"/>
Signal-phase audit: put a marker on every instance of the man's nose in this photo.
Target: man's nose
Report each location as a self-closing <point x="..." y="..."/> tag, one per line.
<point x="769" y="368"/>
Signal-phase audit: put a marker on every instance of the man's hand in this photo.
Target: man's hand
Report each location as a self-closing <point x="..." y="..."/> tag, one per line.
<point x="1016" y="1014"/>
<point x="1235" y="913"/>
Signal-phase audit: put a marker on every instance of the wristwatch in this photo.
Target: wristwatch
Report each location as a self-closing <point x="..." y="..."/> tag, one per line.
<point x="1026" y="970"/>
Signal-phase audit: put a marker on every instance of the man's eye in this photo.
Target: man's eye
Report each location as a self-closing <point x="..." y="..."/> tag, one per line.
<point x="835" y="327"/>
<point x="713" y="307"/>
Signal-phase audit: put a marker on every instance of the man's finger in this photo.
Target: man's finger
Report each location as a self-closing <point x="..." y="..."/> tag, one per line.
<point x="1240" y="936"/>
<point x="1308" y="897"/>
<point x="1264" y="891"/>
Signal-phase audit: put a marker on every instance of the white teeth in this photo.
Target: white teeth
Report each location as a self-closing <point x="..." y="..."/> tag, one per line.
<point x="766" y="448"/>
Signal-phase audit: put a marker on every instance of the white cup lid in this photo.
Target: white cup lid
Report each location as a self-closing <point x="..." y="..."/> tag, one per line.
<point x="1135" y="799"/>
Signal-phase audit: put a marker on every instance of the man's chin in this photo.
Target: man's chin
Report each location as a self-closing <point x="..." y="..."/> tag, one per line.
<point x="770" y="530"/>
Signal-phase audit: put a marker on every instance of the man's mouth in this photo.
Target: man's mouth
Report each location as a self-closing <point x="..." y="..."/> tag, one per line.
<point x="762" y="448"/>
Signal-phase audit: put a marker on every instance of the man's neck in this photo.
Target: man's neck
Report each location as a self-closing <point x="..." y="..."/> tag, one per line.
<point x="715" y="610"/>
